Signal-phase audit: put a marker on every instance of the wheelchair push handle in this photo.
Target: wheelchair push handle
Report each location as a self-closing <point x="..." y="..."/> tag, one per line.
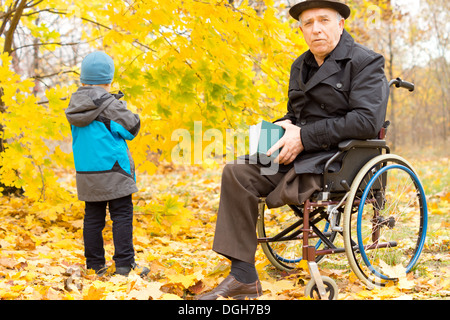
<point x="399" y="83"/>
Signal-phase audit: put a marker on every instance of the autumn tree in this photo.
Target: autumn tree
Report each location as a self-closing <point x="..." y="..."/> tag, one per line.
<point x="10" y="15"/>
<point x="214" y="65"/>
<point x="222" y="64"/>
<point x="378" y="25"/>
<point x="437" y="13"/>
<point x="414" y="45"/>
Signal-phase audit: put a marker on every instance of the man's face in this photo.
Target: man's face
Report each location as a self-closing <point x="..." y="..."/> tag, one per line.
<point x="322" y="30"/>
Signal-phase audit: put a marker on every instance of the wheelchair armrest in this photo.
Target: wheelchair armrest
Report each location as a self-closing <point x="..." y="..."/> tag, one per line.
<point x="350" y="144"/>
<point x="373" y="143"/>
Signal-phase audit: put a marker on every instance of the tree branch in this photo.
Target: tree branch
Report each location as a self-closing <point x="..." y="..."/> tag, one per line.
<point x="46" y="44"/>
<point x="31" y="4"/>
<point x="37" y="77"/>
<point x="47" y="101"/>
<point x="12" y="28"/>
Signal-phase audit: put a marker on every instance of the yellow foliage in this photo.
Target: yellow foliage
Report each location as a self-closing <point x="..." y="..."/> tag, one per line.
<point x="185" y="281"/>
<point x="41" y="254"/>
<point x="177" y="63"/>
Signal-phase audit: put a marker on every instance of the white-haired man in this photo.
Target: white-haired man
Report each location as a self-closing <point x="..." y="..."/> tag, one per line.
<point x="337" y="91"/>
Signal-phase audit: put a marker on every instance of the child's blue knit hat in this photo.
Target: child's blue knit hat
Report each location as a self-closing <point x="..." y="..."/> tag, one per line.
<point x="97" y="68"/>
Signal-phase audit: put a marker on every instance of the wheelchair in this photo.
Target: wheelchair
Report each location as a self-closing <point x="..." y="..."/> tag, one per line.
<point x="376" y="204"/>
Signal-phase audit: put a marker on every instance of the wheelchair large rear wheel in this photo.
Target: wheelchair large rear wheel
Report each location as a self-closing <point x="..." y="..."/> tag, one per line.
<point x="282" y="230"/>
<point x="385" y="220"/>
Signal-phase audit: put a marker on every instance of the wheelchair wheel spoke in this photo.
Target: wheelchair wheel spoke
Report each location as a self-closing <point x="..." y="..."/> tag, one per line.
<point x="390" y="224"/>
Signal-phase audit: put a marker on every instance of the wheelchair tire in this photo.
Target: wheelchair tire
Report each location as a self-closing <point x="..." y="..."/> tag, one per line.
<point x="385" y="220"/>
<point x="285" y="254"/>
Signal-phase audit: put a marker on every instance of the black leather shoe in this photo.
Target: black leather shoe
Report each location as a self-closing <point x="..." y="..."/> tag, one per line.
<point x="231" y="288"/>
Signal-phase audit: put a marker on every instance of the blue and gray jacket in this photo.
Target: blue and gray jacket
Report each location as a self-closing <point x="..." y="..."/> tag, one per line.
<point x="100" y="125"/>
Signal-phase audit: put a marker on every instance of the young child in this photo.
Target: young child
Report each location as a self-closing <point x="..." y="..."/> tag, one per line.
<point x="105" y="173"/>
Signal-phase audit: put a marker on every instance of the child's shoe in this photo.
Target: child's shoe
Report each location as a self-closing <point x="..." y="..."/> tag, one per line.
<point x="124" y="271"/>
<point x="99" y="270"/>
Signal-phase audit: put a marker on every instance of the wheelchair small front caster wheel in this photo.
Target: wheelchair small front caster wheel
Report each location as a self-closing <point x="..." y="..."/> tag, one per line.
<point x="331" y="288"/>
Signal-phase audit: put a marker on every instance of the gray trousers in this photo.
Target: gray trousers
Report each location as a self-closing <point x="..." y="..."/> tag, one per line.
<point x="242" y="186"/>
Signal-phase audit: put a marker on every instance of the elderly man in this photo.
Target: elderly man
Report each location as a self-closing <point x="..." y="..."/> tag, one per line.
<point x="337" y="91"/>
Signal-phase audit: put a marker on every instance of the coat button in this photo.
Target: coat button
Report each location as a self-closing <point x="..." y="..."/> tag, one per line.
<point x="339" y="85"/>
<point x="325" y="146"/>
<point x="303" y="122"/>
<point x="322" y="106"/>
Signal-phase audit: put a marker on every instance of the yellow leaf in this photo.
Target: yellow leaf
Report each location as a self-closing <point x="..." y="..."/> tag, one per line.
<point x="95" y="292"/>
<point x="185" y="281"/>
<point x="151" y="291"/>
<point x="303" y="264"/>
<point x="397" y="271"/>
<point x="405" y="284"/>
<point x="278" y="286"/>
<point x="170" y="296"/>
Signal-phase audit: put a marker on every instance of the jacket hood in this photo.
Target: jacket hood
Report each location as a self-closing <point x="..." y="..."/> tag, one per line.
<point x="86" y="104"/>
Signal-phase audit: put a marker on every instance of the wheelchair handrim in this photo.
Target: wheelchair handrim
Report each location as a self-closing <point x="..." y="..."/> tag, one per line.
<point x="360" y="211"/>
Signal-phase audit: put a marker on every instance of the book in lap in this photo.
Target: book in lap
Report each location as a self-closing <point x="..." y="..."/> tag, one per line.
<point x="262" y="137"/>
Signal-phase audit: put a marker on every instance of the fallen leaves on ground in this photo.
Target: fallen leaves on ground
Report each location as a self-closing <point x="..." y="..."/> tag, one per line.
<point x="42" y="254"/>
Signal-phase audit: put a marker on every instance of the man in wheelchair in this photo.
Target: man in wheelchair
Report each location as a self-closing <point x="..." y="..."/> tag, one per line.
<point x="337" y="91"/>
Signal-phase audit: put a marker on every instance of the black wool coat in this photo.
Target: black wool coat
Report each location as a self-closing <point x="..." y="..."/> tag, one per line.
<point x="345" y="99"/>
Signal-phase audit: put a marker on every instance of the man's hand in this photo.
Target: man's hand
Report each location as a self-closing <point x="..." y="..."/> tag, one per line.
<point x="291" y="143"/>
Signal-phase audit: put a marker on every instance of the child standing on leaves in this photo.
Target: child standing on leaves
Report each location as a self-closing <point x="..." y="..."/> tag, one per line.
<point x="105" y="176"/>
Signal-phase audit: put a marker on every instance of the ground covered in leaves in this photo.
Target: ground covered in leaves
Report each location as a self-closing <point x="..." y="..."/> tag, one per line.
<point x="41" y="249"/>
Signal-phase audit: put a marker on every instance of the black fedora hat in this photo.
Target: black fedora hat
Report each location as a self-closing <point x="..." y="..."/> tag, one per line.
<point x="340" y="7"/>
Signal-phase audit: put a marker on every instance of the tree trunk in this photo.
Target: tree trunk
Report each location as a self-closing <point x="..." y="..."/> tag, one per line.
<point x="19" y="6"/>
<point x="9" y="36"/>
